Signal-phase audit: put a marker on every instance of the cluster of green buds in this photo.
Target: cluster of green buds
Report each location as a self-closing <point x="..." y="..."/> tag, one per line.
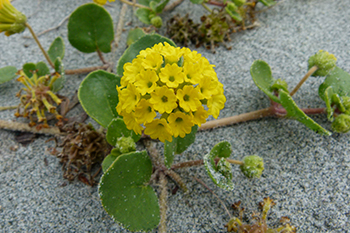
<point x="11" y="20"/>
<point x="324" y="61"/>
<point x="253" y="166"/>
<point x="125" y="145"/>
<point x="259" y="223"/>
<point x="38" y="98"/>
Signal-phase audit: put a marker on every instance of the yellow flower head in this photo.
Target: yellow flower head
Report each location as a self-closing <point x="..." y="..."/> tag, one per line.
<point x="11" y="20"/>
<point x="168" y="90"/>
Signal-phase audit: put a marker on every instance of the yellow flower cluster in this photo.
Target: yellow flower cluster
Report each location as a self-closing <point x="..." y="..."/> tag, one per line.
<point x="167" y="90"/>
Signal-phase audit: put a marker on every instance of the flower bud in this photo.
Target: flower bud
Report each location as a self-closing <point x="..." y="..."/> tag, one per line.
<point x="324" y="61"/>
<point x="11" y="20"/>
<point x="157" y="21"/>
<point x="280" y="84"/>
<point x="341" y="123"/>
<point x="126" y="144"/>
<point x="253" y="166"/>
<point x="224" y="168"/>
<point x="239" y="3"/>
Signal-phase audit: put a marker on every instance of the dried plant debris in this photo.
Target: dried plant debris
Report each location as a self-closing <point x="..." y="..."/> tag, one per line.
<point x="258" y="223"/>
<point x="216" y="27"/>
<point x="81" y="149"/>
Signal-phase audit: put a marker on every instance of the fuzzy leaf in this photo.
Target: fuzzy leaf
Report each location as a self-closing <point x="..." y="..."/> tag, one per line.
<point x="144" y="42"/>
<point x="7" y="73"/>
<point x="144" y="15"/>
<point x="294" y="112"/>
<point x="107" y="162"/>
<point x="58" y="84"/>
<point x="268" y="2"/>
<point x="90" y="28"/>
<point x="262" y="77"/>
<point x="134" y="35"/>
<point x="117" y="129"/>
<point x="29" y="69"/>
<point x="42" y="69"/>
<point x="220" y="175"/>
<point x="158" y="6"/>
<point x="125" y="194"/>
<point x="98" y="96"/>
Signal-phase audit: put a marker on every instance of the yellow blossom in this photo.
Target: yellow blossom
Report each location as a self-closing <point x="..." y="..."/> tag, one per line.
<point x="131" y="123"/>
<point x="171" y="75"/>
<point x="200" y="116"/>
<point x="144" y="112"/>
<point x="189" y="98"/>
<point x="180" y="123"/>
<point x="11" y="20"/>
<point x="163" y="100"/>
<point x="215" y="104"/>
<point x="102" y="2"/>
<point x="146" y="83"/>
<point x="159" y="128"/>
<point x="128" y="98"/>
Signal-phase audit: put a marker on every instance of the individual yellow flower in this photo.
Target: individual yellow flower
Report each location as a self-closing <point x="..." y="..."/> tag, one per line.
<point x="189" y="98"/>
<point x="102" y="2"/>
<point x="163" y="100"/>
<point x="180" y="123"/>
<point x="171" y="75"/>
<point x="171" y="54"/>
<point x="131" y="70"/>
<point x="144" y="112"/>
<point x="192" y="73"/>
<point x="11" y="20"/>
<point x="146" y="83"/>
<point x="200" y="116"/>
<point x="159" y="129"/>
<point x="128" y="98"/>
<point x="207" y="87"/>
<point x="152" y="61"/>
<point x="215" y="104"/>
<point x="131" y="123"/>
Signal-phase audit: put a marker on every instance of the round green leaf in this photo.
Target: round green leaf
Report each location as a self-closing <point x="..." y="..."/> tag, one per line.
<point x="42" y="69"/>
<point x="29" y="69"/>
<point x="293" y="111"/>
<point x="7" y="73"/>
<point x="58" y="84"/>
<point x="125" y="195"/>
<point x="56" y="49"/>
<point x="222" y="150"/>
<point x="117" y="129"/>
<point x="107" y="162"/>
<point x="262" y="77"/>
<point x="134" y="35"/>
<point x="339" y="80"/>
<point x="98" y="96"/>
<point x="90" y="28"/>
<point x="134" y="49"/>
<point x="143" y="15"/>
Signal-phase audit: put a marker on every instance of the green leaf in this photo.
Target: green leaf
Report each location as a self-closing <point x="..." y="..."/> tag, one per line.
<point x="144" y="42"/>
<point x="144" y="2"/>
<point x="231" y="9"/>
<point x="294" y="112"/>
<point x="158" y="6"/>
<point x="268" y="2"/>
<point x="98" y="96"/>
<point x="117" y="129"/>
<point x="197" y="1"/>
<point x="7" y="73"/>
<point x="144" y="15"/>
<point x="220" y="175"/>
<point x="29" y="69"/>
<point x="178" y="145"/>
<point x="134" y="35"/>
<point x="107" y="162"/>
<point x="90" y="28"/>
<point x="58" y="84"/>
<point x="125" y="194"/>
<point x="262" y="77"/>
<point x="56" y="49"/>
<point x="42" y="69"/>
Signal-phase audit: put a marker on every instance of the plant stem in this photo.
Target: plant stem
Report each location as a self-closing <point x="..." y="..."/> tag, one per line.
<point x="187" y="164"/>
<point x="162" y="202"/>
<point x="310" y="111"/>
<point x="206" y="7"/>
<point x="135" y="4"/>
<point x="175" y="177"/>
<point x="235" y="161"/>
<point x="307" y="75"/>
<point x="23" y="127"/>
<point x="86" y="70"/>
<point x="172" y="5"/>
<point x="238" y="119"/>
<point x="120" y="24"/>
<point x="41" y="47"/>
<point x="215" y="3"/>
<point x="100" y="55"/>
<point x="222" y="203"/>
<point x="8" y="108"/>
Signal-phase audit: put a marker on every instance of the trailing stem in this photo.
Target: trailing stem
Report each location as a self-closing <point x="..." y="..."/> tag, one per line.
<point x="24" y="127"/>
<point x="162" y="202"/>
<point x="307" y="75"/>
<point x="40" y="46"/>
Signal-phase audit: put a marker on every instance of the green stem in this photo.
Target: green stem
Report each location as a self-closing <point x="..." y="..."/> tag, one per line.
<point x="237" y="162"/>
<point x="135" y="4"/>
<point x="307" y="75"/>
<point x="206" y="7"/>
<point x="7" y="108"/>
<point x="41" y="47"/>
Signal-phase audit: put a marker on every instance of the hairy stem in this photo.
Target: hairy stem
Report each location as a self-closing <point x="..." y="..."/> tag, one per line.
<point x="172" y="5"/>
<point x="8" y="108"/>
<point x="100" y="55"/>
<point x="206" y="7"/>
<point x="187" y="164"/>
<point x="162" y="202"/>
<point x="23" y="127"/>
<point x="237" y="162"/>
<point x="40" y="46"/>
<point x="238" y="119"/>
<point x="307" y="75"/>
<point x="120" y="24"/>
<point x="86" y="70"/>
<point x="135" y="4"/>
<point x="222" y="203"/>
<point x="175" y="177"/>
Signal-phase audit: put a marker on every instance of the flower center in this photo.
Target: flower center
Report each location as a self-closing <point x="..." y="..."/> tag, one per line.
<point x="171" y="79"/>
<point x="186" y="97"/>
<point x="179" y="119"/>
<point x="149" y="84"/>
<point x="165" y="99"/>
